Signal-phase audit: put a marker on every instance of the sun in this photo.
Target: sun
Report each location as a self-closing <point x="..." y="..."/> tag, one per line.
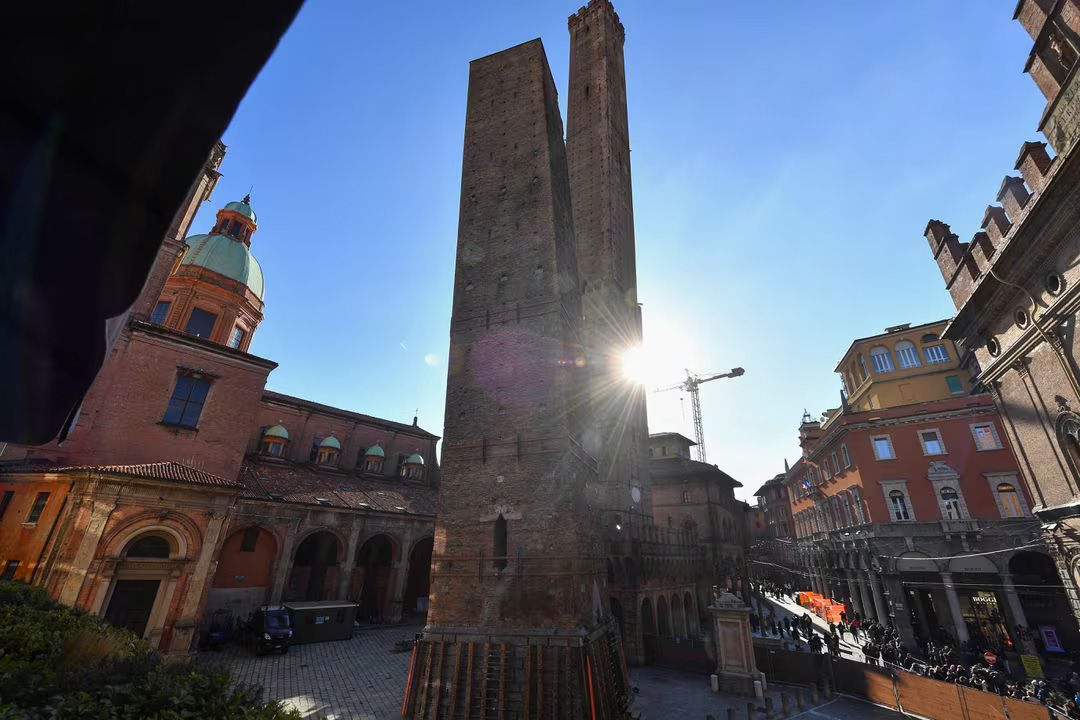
<point x="637" y="366"/>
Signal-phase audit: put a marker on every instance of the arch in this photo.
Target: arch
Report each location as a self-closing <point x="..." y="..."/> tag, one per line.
<point x="881" y="359"/>
<point x="663" y="617"/>
<point x="692" y="624"/>
<point x="314" y="573"/>
<point x="650" y="639"/>
<point x="915" y="561"/>
<point x="1068" y="435"/>
<point x="150" y="545"/>
<point x="907" y="355"/>
<point x="371" y="584"/>
<point x="247" y="559"/>
<point x="179" y="527"/>
<point x="418" y="583"/>
<point x="678" y="617"/>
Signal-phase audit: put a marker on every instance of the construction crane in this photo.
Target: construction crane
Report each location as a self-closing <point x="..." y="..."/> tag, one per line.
<point x="691" y="385"/>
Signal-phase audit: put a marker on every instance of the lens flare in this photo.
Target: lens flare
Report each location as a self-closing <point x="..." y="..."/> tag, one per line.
<point x="635" y="365"/>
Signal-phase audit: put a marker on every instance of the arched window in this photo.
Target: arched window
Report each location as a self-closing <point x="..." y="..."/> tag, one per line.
<point x="906" y="355"/>
<point x="862" y="368"/>
<point x="899" y="505"/>
<point x="856" y="503"/>
<point x="500" y="543"/>
<point x="928" y="338"/>
<point x="1011" y="506"/>
<point x="882" y="359"/>
<point x="950" y="504"/>
<point x="148" y="546"/>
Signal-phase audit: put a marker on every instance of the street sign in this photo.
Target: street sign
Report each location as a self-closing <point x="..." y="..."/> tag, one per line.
<point x="990" y="657"/>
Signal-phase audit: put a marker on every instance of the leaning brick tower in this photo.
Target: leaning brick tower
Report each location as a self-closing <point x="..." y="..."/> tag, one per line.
<point x="598" y="155"/>
<point x="518" y="625"/>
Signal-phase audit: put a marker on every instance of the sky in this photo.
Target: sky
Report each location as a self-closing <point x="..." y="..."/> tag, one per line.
<point x="786" y="157"/>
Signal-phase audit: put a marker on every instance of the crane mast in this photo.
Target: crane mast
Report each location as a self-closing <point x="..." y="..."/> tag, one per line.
<point x="691" y="385"/>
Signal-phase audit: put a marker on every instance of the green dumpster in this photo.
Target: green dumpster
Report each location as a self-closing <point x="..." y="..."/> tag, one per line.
<point x="323" y="620"/>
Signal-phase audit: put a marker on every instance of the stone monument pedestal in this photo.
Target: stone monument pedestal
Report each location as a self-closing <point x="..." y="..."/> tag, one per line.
<point x="736" y="669"/>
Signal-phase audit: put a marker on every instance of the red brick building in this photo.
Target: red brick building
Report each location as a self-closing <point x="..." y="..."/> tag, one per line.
<point x="184" y="492"/>
<point x="908" y="503"/>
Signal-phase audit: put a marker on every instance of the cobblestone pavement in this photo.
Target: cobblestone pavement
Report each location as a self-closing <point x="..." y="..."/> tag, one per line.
<point x="364" y="679"/>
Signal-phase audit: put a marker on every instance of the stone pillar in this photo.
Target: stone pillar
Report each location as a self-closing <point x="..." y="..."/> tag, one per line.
<point x="1013" y="600"/>
<point x="879" y="602"/>
<point x="184" y="630"/>
<point x="954" y="607"/>
<point x="400" y="576"/>
<point x="868" y="612"/>
<point x="91" y="520"/>
<point x="284" y="564"/>
<point x="920" y="614"/>
<point x="896" y="604"/>
<point x="853" y="593"/>
<point x="349" y="565"/>
<point x="736" y="669"/>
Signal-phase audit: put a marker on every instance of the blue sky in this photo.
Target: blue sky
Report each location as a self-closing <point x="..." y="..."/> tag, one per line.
<point x="786" y="157"/>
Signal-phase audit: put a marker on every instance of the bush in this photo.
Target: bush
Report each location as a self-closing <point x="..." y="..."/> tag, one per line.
<point x="56" y="662"/>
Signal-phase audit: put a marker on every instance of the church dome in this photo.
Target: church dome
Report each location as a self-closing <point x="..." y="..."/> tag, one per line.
<point x="243" y="208"/>
<point x="227" y="257"/>
<point x="375" y="451"/>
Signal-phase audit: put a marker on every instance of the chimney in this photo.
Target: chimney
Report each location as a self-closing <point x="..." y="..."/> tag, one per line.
<point x="996" y="223"/>
<point x="1032" y="15"/>
<point x="946" y="247"/>
<point x="1014" y="196"/>
<point x="1033" y="164"/>
<point x="982" y="248"/>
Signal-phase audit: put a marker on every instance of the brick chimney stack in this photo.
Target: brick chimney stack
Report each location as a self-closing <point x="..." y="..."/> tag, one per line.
<point x="1014" y="196"/>
<point x="996" y="223"/>
<point x="1034" y="164"/>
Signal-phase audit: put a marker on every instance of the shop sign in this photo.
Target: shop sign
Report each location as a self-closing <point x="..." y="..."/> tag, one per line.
<point x="1032" y="666"/>
<point x="1050" y="639"/>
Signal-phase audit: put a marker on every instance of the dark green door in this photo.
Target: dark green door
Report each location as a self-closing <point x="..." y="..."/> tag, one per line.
<point x="131" y="603"/>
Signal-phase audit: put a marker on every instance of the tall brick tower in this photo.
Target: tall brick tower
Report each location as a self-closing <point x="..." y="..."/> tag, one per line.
<point x="598" y="155"/>
<point x="518" y="625"/>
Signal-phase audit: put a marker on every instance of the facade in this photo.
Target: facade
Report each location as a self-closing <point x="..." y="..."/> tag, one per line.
<point x="185" y="494"/>
<point x="908" y="504"/>
<point x="1016" y="287"/>
<point x="548" y="570"/>
<point x="771" y="545"/>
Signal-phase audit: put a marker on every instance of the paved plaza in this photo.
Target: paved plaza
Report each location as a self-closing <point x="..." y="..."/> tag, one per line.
<point x="364" y="679"/>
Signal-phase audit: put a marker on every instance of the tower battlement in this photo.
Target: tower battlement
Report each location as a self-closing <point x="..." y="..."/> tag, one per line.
<point x="597" y="10"/>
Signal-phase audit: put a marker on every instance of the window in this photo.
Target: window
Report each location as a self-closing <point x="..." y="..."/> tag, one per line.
<point x="826" y="473"/>
<point x="250" y="539"/>
<point x="935" y="354"/>
<point x="500" y="543"/>
<point x="235" y="228"/>
<point x="899" y="505"/>
<point x="986" y="437"/>
<point x="236" y="337"/>
<point x="38" y="508"/>
<point x="273" y="446"/>
<point x="883" y="449"/>
<point x="950" y="504"/>
<point x="1009" y="501"/>
<point x="201" y="323"/>
<point x="5" y="501"/>
<point x="906" y="355"/>
<point x="187" y="400"/>
<point x="862" y="368"/>
<point x="846" y="455"/>
<point x="686" y="496"/>
<point x="993" y="347"/>
<point x="161" y="311"/>
<point x="314" y="449"/>
<point x="1055" y="283"/>
<point x="929" y="338"/>
<point x="953" y="382"/>
<point x="9" y="570"/>
<point x="327" y="456"/>
<point x="931" y="442"/>
<point x="882" y="360"/>
<point x="149" y="546"/>
<point x="1020" y="315"/>
<point x="835" y="465"/>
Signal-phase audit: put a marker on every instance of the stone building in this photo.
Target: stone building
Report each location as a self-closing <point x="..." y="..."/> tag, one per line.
<point x="1016" y="287"/>
<point x="771" y="547"/>
<point x="184" y="491"/>
<point x="547" y="562"/>
<point x="908" y="503"/>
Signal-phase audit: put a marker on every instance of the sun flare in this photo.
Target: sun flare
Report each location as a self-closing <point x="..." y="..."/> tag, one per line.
<point x="635" y="366"/>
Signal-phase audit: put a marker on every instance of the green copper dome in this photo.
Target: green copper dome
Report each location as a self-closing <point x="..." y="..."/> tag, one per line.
<point x="243" y="208"/>
<point x="278" y="431"/>
<point x="227" y="257"/>
<point x="374" y="451"/>
<point x="330" y="442"/>
<point x="415" y="459"/>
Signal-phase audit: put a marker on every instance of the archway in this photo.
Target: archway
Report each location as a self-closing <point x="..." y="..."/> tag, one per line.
<point x="245" y="572"/>
<point x="1042" y="595"/>
<point x="374" y="565"/>
<point x="418" y="584"/>
<point x="691" y="618"/>
<point x="315" y="568"/>
<point x="134" y="596"/>
<point x="663" y="617"/>
<point x="678" y="617"/>
<point x="648" y="632"/>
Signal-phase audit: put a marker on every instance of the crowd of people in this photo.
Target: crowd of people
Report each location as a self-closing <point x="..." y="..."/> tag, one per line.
<point x="881" y="645"/>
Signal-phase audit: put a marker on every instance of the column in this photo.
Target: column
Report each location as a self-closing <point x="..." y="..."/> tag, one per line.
<point x="867" y="604"/>
<point x="349" y="565"/>
<point x="896" y="603"/>
<point x="879" y="602"/>
<point x="856" y="605"/>
<point x="954" y="607"/>
<point x="400" y="576"/>
<point x="1016" y="609"/>
<point x="284" y="563"/>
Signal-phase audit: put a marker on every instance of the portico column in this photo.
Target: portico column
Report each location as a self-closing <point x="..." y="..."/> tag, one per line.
<point x="284" y="563"/>
<point x="954" y="608"/>
<point x="401" y="574"/>
<point x="350" y="563"/>
<point x="1016" y="609"/>
<point x="856" y="606"/>
<point x="879" y="602"/>
<point x="867" y="611"/>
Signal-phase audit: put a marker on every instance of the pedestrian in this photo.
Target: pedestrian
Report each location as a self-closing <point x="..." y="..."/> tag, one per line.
<point x="855" y="625"/>
<point x="843" y="616"/>
<point x="815" y="643"/>
<point x="832" y="626"/>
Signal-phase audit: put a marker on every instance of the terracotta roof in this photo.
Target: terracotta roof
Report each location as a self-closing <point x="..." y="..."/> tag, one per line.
<point x="309" y="485"/>
<point x="168" y="471"/>
<point x="271" y="396"/>
<point x="676" y="466"/>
